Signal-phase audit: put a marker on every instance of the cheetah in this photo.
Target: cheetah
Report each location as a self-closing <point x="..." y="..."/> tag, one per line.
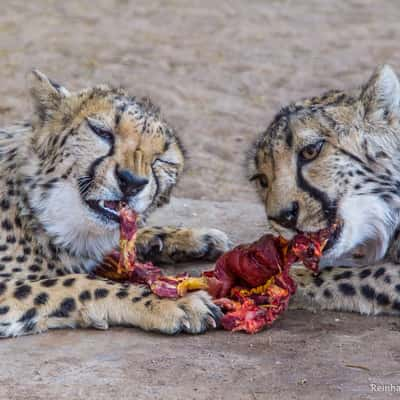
<point x="334" y="160"/>
<point x="63" y="176"/>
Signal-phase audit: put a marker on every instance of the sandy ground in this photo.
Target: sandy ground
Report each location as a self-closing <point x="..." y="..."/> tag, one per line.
<point x="219" y="70"/>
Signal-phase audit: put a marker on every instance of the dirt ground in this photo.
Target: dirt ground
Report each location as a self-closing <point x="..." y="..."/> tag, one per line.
<point x="219" y="70"/>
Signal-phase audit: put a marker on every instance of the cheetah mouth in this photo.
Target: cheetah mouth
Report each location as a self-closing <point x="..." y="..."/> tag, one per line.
<point x="106" y="208"/>
<point x="335" y="232"/>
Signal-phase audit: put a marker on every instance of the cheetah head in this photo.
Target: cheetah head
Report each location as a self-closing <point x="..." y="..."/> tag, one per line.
<point x="335" y="159"/>
<point x="90" y="151"/>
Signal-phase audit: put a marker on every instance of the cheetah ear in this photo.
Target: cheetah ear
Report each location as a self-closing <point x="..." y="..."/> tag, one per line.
<point x="381" y="94"/>
<point x="47" y="95"/>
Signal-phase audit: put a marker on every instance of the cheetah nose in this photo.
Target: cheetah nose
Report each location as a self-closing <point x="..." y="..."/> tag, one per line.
<point x="288" y="216"/>
<point x="130" y="183"/>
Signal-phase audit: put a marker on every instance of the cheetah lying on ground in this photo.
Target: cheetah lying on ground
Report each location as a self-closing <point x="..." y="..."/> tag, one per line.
<point x="62" y="177"/>
<point x="337" y="157"/>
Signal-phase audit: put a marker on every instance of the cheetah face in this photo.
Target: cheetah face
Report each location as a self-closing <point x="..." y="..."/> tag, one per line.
<point x="129" y="158"/>
<point x="92" y="151"/>
<point x="333" y="160"/>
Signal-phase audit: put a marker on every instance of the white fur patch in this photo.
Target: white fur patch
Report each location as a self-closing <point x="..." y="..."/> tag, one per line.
<point x="71" y="224"/>
<point x="369" y="222"/>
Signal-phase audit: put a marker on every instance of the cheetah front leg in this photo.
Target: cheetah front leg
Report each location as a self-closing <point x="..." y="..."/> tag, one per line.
<point x="368" y="290"/>
<point x="170" y="244"/>
<point x="79" y="300"/>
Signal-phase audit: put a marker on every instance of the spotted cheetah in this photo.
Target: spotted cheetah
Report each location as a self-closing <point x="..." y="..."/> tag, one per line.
<point x="335" y="159"/>
<point x="62" y="177"/>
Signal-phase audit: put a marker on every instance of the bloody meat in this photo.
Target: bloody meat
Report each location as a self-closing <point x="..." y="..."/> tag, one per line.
<point x="251" y="283"/>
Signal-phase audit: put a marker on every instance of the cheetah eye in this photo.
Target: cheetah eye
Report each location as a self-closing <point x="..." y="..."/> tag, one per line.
<point x="100" y="130"/>
<point x="311" y="151"/>
<point x="261" y="178"/>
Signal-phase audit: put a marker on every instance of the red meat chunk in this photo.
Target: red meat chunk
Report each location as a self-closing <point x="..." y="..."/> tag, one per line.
<point x="251" y="283"/>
